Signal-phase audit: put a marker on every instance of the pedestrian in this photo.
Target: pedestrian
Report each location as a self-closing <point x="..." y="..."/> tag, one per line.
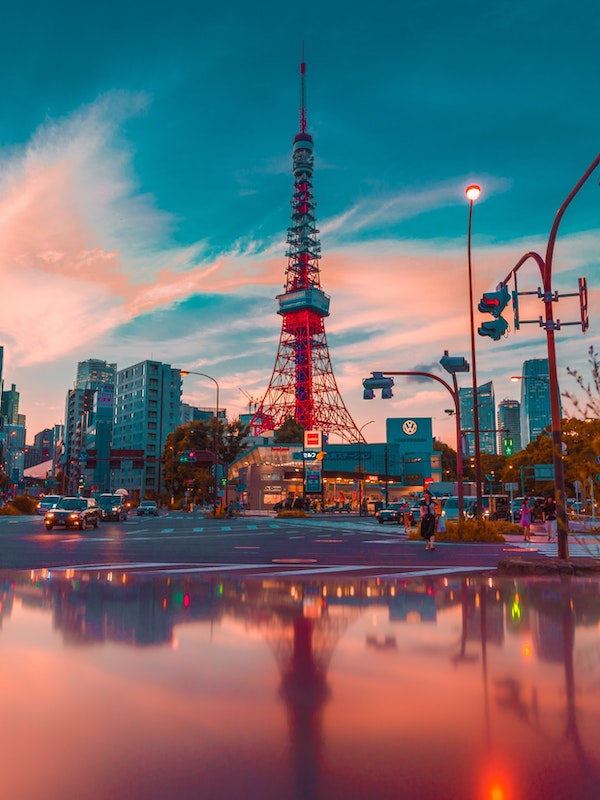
<point x="526" y="519"/>
<point x="406" y="517"/>
<point x="427" y="512"/>
<point x="549" y="517"/>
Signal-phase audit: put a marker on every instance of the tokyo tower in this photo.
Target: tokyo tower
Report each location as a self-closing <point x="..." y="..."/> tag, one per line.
<point x="302" y="385"/>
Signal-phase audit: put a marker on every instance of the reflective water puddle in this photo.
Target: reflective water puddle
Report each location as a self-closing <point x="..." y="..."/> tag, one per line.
<point x="124" y="686"/>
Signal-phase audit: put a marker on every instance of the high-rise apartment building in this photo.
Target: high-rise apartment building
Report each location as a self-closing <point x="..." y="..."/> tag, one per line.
<point x="487" y="417"/>
<point x="147" y="409"/>
<point x="509" y="424"/>
<point x="9" y="407"/>
<point x="94" y="374"/>
<point x="536" y="412"/>
<point x="94" y="377"/>
<point x="78" y="403"/>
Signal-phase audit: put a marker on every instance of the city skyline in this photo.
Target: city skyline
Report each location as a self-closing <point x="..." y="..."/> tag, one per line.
<point x="145" y="194"/>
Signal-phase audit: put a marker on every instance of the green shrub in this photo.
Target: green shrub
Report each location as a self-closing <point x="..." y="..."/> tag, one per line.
<point x="472" y="530"/>
<point x="20" y="505"/>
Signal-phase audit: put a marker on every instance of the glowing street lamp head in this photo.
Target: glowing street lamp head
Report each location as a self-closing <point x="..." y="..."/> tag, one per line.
<point x="473" y="191"/>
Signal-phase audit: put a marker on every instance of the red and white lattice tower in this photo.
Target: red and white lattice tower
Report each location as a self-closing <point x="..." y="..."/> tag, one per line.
<point x="302" y="385"/>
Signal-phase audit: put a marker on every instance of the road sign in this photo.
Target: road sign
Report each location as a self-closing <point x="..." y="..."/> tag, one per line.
<point x="543" y="472"/>
<point x="313" y="439"/>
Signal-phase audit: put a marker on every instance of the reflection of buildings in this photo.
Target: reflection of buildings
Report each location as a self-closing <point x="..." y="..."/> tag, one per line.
<point x="6" y="599"/>
<point x="479" y="628"/>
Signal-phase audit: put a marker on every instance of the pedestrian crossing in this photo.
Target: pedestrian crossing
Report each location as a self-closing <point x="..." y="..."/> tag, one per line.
<point x="578" y="548"/>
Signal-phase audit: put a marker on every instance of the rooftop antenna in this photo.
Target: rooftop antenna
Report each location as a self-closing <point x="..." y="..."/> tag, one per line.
<point x="302" y="94"/>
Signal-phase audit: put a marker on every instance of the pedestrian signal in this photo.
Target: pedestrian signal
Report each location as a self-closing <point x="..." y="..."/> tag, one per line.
<point x="508" y="447"/>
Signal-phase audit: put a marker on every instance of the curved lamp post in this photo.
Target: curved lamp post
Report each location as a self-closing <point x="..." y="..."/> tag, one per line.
<point x="545" y="267"/>
<point x="216" y="436"/>
<point x="472" y="192"/>
<point x="360" y="482"/>
<point x="454" y="394"/>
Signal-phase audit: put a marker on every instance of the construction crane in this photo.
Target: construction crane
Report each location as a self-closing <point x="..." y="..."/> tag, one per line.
<point x="253" y="402"/>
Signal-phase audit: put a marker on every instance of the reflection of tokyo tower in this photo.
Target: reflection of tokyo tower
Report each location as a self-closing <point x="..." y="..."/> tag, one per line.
<point x="302" y="385"/>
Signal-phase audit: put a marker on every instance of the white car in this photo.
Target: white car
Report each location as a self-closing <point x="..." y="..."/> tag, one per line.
<point x="47" y="502"/>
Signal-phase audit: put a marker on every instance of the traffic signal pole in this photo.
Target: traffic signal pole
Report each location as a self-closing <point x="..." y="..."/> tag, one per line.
<point x="550" y="325"/>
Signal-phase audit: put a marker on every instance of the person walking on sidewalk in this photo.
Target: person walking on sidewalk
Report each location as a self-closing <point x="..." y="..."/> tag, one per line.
<point x="526" y="519"/>
<point x="549" y="517"/>
<point x="427" y="512"/>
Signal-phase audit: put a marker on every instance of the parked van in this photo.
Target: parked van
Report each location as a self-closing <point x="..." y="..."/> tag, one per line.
<point x="451" y="506"/>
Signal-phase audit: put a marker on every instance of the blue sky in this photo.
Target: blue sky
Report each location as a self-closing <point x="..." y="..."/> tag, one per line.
<point x="145" y="187"/>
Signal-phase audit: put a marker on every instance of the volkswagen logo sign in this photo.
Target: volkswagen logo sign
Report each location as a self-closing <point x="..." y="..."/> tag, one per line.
<point x="409" y="426"/>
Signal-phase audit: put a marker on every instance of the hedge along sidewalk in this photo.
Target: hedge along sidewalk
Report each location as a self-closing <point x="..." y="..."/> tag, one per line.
<point x="473" y="530"/>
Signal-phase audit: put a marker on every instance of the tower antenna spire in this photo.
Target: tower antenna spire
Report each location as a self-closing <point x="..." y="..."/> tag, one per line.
<point x="302" y="93"/>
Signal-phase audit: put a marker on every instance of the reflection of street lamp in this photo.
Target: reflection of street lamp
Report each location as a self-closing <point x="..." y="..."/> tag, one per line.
<point x="360" y="482"/>
<point x="216" y="436"/>
<point x="472" y="192"/>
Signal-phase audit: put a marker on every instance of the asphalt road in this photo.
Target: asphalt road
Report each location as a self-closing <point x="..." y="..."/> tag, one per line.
<point x="259" y="545"/>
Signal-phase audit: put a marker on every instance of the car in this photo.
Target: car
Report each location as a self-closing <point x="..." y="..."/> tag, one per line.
<point x="394" y="512"/>
<point x="147" y="507"/>
<point x="73" y="512"/>
<point x="536" y="512"/>
<point x="47" y="502"/>
<point x="338" y="508"/>
<point x="113" y="506"/>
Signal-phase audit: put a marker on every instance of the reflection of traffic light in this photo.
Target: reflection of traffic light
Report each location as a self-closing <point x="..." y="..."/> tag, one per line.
<point x="508" y="446"/>
<point x="494" y="303"/>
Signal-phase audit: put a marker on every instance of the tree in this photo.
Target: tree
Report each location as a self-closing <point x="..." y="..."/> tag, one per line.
<point x="448" y="460"/>
<point x="589" y="405"/>
<point x="199" y="438"/>
<point x="291" y="432"/>
<point x="581" y="438"/>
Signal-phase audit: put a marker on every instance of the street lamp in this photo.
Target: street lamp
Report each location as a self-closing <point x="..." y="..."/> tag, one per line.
<point x="380" y="381"/>
<point x="360" y="482"/>
<point x="472" y="192"/>
<point x="216" y="436"/>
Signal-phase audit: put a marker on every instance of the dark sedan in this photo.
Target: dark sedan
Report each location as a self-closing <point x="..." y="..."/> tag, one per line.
<point x="73" y="512"/>
<point x="392" y="513"/>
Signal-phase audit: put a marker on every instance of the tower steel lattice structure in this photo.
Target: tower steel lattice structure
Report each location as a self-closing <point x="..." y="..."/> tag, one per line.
<point x="303" y="385"/>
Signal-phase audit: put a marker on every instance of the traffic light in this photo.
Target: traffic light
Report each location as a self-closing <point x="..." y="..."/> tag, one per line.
<point x="454" y="364"/>
<point x="508" y="446"/>
<point x="188" y="457"/>
<point x="378" y="381"/>
<point x="495" y="328"/>
<point x="494" y="303"/>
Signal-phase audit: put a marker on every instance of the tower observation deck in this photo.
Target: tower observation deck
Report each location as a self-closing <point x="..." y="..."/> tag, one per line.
<point x="302" y="386"/>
